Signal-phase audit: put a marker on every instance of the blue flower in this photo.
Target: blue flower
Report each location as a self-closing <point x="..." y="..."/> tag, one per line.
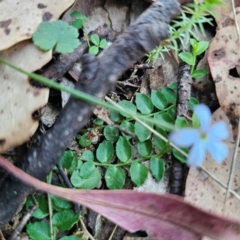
<point x="207" y="138"/>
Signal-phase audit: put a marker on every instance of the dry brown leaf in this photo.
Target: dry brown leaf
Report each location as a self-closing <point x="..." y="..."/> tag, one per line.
<point x="18" y="98"/>
<point x="19" y="19"/>
<point x="224" y="59"/>
<point x="206" y="193"/>
<point x="223" y="10"/>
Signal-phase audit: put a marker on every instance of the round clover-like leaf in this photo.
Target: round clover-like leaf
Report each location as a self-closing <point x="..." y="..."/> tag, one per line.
<point x="128" y="126"/>
<point x="103" y="43"/>
<point x="115" y="116"/>
<point x="95" y="39"/>
<point x="170" y="95"/>
<point x="199" y="73"/>
<point x="159" y="100"/>
<point x="138" y="173"/>
<point x="38" y="230"/>
<point x="56" y="34"/>
<point x="111" y="133"/>
<point x="69" y="161"/>
<point x="105" y="151"/>
<point x="60" y="203"/>
<point x="123" y="149"/>
<point x="84" y="141"/>
<point x="157" y="167"/>
<point x="87" y="169"/>
<point x="88" y="183"/>
<point x="78" y="23"/>
<point x="115" y="178"/>
<point x="144" y="103"/>
<point x="129" y="106"/>
<point x="187" y="57"/>
<point x="145" y="148"/>
<point x="93" y="50"/>
<point x="87" y="156"/>
<point x="142" y="132"/>
<point x="65" y="219"/>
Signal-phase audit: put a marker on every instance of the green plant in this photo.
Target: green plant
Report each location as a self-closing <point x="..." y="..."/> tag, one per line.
<point x="115" y="151"/>
<point x="97" y="44"/>
<point x="63" y="218"/>
<point x="94" y="38"/>
<point x="183" y="27"/>
<point x="190" y="58"/>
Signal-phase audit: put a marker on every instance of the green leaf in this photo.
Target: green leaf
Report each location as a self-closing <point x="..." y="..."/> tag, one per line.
<point x="42" y="210"/>
<point x="115" y="116"/>
<point x="65" y="219"/>
<point x="129" y="106"/>
<point x="123" y="149"/>
<point x="195" y="121"/>
<point x="142" y="133"/>
<point x="181" y="122"/>
<point x="172" y="113"/>
<point x="138" y="173"/>
<point x="60" y="203"/>
<point x="105" y="151"/>
<point x="56" y="34"/>
<point x="103" y="43"/>
<point x="84" y="141"/>
<point x="158" y="142"/>
<point x="163" y="117"/>
<point x="76" y="14"/>
<point x="157" y="167"/>
<point x="187" y="57"/>
<point x="87" y="169"/>
<point x="78" y="23"/>
<point x="169" y="94"/>
<point x="93" y="50"/>
<point x="98" y="121"/>
<point x="115" y="178"/>
<point x="159" y="100"/>
<point x="128" y="126"/>
<point x="192" y="103"/>
<point x="144" y="103"/>
<point x="69" y="161"/>
<point x="38" y="231"/>
<point x="87" y="155"/>
<point x="173" y="86"/>
<point x="95" y="39"/>
<point x="88" y="183"/>
<point x="179" y="156"/>
<point x="202" y="47"/>
<point x="199" y="73"/>
<point x="145" y="148"/>
<point x="111" y="133"/>
<point x="194" y="44"/>
<point x="70" y="238"/>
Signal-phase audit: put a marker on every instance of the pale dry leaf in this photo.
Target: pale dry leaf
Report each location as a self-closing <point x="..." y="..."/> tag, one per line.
<point x="224" y="59"/>
<point x="223" y="10"/>
<point x="20" y="19"/>
<point x="206" y="193"/>
<point x="18" y="98"/>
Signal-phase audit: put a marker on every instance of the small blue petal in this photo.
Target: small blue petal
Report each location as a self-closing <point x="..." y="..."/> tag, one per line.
<point x="196" y="154"/>
<point x="204" y="115"/>
<point x="217" y="150"/>
<point x="219" y="131"/>
<point x="184" y="137"/>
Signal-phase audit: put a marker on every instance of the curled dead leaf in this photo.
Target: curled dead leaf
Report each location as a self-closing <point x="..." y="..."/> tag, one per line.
<point x="18" y="98"/>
